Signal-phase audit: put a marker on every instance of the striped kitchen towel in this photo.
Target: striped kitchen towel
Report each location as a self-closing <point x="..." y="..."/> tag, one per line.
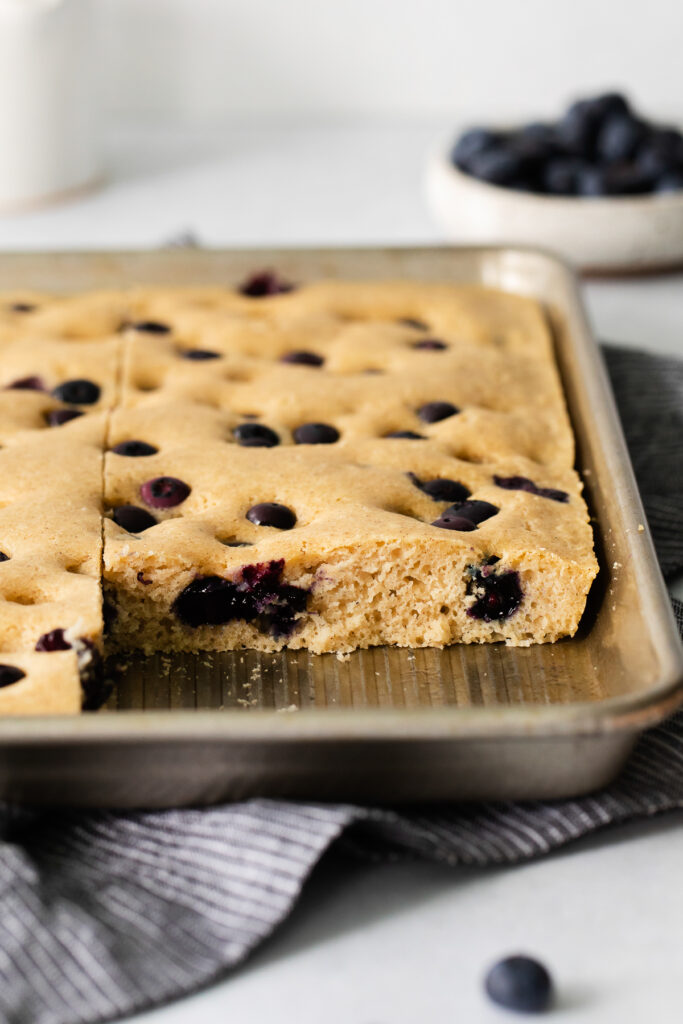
<point x="104" y="914"/>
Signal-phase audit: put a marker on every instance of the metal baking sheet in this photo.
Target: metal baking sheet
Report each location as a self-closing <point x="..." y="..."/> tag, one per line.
<point x="468" y="722"/>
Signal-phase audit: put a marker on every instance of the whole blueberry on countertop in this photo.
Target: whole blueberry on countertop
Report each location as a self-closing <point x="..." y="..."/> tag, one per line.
<point x="520" y="983"/>
<point x="164" y="492"/>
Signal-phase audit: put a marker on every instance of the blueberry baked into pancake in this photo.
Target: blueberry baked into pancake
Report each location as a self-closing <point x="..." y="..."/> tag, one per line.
<point x="332" y="466"/>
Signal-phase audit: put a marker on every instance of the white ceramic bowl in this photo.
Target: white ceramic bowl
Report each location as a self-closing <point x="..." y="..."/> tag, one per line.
<point x="615" y="234"/>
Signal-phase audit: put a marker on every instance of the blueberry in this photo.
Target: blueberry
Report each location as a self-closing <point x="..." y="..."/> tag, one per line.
<point x="496" y="166"/>
<point x="255" y="435"/>
<point x="533" y="144"/>
<point x="522" y="483"/>
<point x="560" y="176"/>
<point x="430" y="345"/>
<point x="619" y="138"/>
<point x="57" y="417"/>
<point x="668" y="142"/>
<point x="433" y="412"/>
<point x="263" y="283"/>
<point x="151" y="327"/>
<point x="199" y="354"/>
<point x="259" y="596"/>
<point x="212" y="601"/>
<point x="4" y="557"/>
<point x="474" y="510"/>
<point x="315" y="433"/>
<point x="591" y="182"/>
<point x="609" y="104"/>
<point x="672" y="181"/>
<point x="27" y="384"/>
<point x="164" y="492"/>
<point x="628" y="179"/>
<point x="452" y="521"/>
<point x="77" y="392"/>
<point x="302" y="358"/>
<point x="133" y="519"/>
<point x="10" y="674"/>
<point x="408" y="435"/>
<point x="498" y="595"/>
<point x="576" y="132"/>
<point x="661" y="153"/>
<point x="53" y="641"/>
<point x="471" y="143"/>
<point x="22" y="307"/>
<point x="135" y="449"/>
<point x="519" y="983"/>
<point x="270" y="513"/>
<point x="411" y="321"/>
<point x="443" y="489"/>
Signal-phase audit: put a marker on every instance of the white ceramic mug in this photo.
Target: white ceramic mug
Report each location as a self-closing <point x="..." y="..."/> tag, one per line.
<point x="48" y="106"/>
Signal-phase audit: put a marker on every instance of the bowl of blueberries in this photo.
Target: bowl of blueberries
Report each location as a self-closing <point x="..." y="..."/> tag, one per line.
<point x="602" y="186"/>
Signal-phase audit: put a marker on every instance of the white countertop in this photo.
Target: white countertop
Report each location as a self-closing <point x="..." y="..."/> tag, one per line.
<point x="405" y="942"/>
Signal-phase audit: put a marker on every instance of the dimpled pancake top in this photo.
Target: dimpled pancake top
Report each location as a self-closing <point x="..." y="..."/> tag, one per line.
<point x="331" y="466"/>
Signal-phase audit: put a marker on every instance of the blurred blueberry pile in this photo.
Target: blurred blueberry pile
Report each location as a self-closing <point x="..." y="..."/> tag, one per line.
<point x="600" y="147"/>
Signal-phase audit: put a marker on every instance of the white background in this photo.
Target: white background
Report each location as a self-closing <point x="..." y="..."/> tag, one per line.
<point x="464" y="58"/>
<point x="285" y="122"/>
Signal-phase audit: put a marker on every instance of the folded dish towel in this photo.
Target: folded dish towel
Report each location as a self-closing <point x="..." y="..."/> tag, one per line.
<point x="104" y="914"/>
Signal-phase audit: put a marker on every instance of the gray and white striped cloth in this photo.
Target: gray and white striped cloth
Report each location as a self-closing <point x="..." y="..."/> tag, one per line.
<point x="104" y="914"/>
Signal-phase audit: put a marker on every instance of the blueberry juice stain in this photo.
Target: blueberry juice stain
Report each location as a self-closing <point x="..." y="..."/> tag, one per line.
<point x="257" y="595"/>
